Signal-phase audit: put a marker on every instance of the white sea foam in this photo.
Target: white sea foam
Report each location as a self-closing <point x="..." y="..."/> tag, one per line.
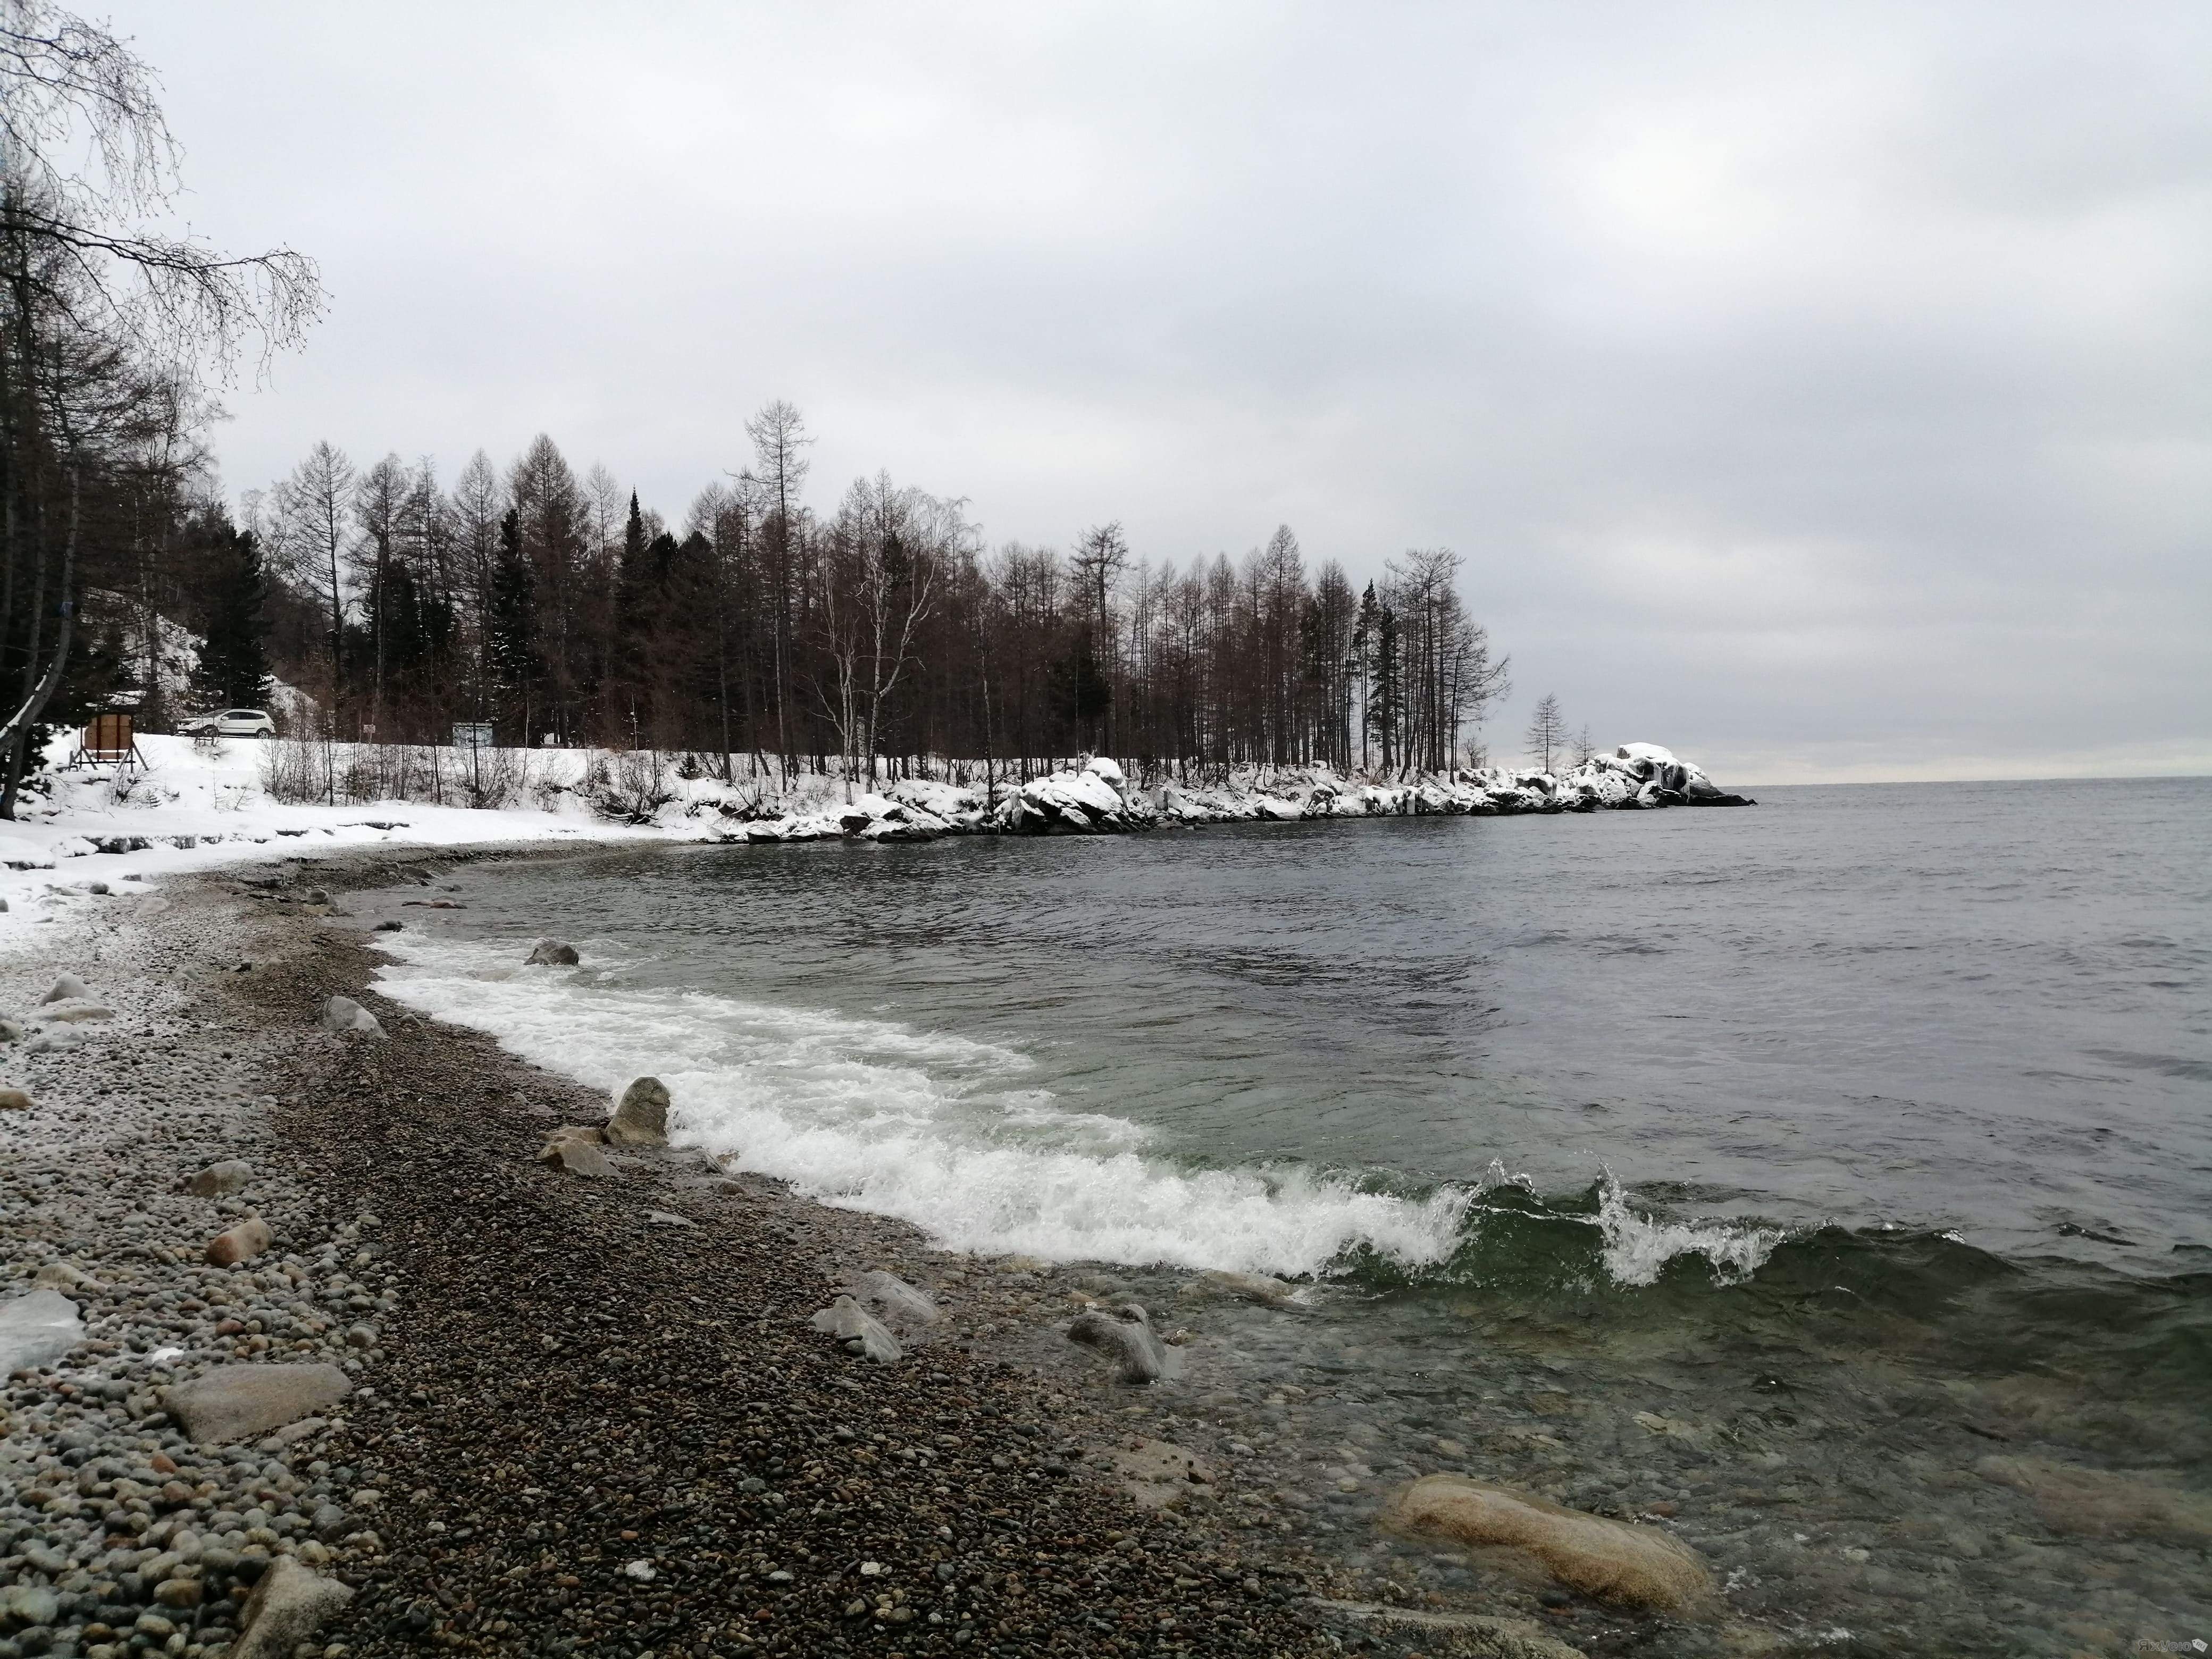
<point x="1636" y="1246"/>
<point x="932" y="1128"/>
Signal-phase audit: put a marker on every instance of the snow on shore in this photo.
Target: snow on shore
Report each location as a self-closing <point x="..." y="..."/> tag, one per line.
<point x="196" y="805"/>
<point x="1099" y="797"/>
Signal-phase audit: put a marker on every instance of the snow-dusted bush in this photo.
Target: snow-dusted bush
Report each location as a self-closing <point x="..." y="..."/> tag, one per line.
<point x="486" y="779"/>
<point x="297" y="770"/>
<point x="629" y="786"/>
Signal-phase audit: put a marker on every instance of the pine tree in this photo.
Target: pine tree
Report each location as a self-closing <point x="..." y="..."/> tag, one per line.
<point x="234" y="666"/>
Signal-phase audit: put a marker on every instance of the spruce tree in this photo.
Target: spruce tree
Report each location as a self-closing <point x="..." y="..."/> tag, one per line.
<point x="234" y="666"/>
<point x="510" y="651"/>
<point x="1364" y="629"/>
<point x="1386" y="700"/>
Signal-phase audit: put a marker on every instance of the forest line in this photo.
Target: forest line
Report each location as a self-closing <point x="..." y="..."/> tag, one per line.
<point x="555" y="608"/>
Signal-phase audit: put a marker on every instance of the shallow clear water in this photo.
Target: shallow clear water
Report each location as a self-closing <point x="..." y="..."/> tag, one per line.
<point x="1862" y="1141"/>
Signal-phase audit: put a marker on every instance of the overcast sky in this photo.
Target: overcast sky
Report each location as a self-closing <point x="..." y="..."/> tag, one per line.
<point x="1825" y="392"/>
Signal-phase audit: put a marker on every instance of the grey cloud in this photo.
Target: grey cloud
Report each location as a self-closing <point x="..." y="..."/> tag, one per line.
<point x="1823" y="392"/>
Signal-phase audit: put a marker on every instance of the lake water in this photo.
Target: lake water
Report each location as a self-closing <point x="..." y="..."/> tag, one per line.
<point x="1832" y="1179"/>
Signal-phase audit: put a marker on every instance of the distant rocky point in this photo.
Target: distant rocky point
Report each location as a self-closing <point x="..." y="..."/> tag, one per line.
<point x="1098" y="797"/>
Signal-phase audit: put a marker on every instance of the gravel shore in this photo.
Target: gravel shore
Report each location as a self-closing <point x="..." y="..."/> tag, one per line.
<point x="586" y="1415"/>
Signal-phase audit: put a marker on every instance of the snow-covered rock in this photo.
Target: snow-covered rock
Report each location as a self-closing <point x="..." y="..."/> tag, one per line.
<point x="1644" y="774"/>
<point x="956" y="807"/>
<point x="1082" y="801"/>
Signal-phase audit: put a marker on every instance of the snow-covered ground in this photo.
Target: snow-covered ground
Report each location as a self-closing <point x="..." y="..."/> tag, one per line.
<point x="197" y="805"/>
<point x="86" y="836"/>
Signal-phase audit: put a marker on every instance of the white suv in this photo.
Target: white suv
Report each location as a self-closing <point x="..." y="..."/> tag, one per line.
<point x="231" y="723"/>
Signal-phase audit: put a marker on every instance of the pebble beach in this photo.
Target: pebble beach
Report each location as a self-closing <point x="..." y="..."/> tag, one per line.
<point x="359" y="1372"/>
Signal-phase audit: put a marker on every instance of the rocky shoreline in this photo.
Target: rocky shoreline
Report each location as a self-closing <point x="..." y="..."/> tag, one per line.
<point x="1097" y="796"/>
<point x="528" y="1411"/>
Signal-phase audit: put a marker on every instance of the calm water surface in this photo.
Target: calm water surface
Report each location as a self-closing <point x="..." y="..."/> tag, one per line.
<point x="1861" y="1142"/>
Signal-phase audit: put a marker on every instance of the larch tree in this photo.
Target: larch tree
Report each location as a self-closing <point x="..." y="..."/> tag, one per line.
<point x="313" y="532"/>
<point x="780" y="443"/>
<point x="1547" y="731"/>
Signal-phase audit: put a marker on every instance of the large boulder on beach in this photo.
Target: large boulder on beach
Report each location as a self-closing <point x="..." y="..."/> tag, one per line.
<point x="861" y="1331"/>
<point x="37" y="1330"/>
<point x="290" y="1604"/>
<point x="68" y="988"/>
<point x="236" y="1402"/>
<point x="347" y="1017"/>
<point x="899" y="1300"/>
<point x="72" y="1012"/>
<point x="580" y="1149"/>
<point x="1125" y="1336"/>
<point x="248" y="1239"/>
<point x="1612" y="1560"/>
<point x="553" y="953"/>
<point x="641" y="1117"/>
<point x="228" y="1176"/>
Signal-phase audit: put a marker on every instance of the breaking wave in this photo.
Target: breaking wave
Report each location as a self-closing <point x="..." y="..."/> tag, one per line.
<point x="942" y="1132"/>
<point x="1639" y="1246"/>
<point x="933" y="1129"/>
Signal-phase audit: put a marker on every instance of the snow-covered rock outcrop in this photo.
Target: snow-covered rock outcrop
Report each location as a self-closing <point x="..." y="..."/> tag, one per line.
<point x="1098" y="797"/>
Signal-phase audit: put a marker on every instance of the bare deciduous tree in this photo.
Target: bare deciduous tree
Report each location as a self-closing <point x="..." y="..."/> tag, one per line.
<point x="97" y="297"/>
<point x="1547" y="731"/>
<point x="888" y="550"/>
<point x="312" y="508"/>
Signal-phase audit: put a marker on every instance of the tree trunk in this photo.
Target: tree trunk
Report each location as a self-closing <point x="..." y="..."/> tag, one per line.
<point x="15" y="735"/>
